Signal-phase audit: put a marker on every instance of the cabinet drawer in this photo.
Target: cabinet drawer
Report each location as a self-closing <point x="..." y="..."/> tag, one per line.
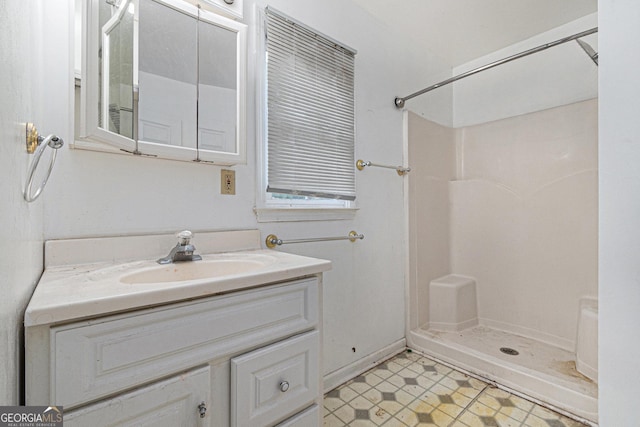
<point x="170" y="403"/>
<point x="308" y="418"/>
<point x="274" y="382"/>
<point x="92" y="360"/>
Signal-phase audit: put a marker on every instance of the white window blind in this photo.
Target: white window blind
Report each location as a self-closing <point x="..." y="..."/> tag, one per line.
<point x="310" y="112"/>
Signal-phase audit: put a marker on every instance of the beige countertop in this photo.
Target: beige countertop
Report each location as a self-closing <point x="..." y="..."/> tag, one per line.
<point x="71" y="292"/>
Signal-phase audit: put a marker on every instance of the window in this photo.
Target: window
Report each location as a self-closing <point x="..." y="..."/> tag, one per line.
<point x="308" y="117"/>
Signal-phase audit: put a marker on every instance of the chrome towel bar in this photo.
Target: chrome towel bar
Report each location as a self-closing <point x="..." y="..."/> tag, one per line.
<point x="361" y="164"/>
<point x="272" y="240"/>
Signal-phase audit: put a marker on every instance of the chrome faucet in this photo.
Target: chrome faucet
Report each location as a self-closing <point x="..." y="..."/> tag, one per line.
<point x="183" y="251"/>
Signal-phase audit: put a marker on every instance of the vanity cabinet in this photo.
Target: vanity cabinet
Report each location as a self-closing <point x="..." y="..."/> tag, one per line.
<point x="246" y="358"/>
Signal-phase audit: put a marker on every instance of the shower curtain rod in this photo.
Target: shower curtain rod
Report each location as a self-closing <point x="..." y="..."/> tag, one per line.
<point x="399" y="102"/>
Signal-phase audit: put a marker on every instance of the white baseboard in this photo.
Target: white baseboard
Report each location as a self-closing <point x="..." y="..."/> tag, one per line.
<point x="344" y="374"/>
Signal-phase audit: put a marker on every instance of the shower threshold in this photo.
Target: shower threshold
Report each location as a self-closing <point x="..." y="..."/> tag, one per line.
<point x="540" y="371"/>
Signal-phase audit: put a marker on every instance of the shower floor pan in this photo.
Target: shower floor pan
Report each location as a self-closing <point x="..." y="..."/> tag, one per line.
<point x="541" y="371"/>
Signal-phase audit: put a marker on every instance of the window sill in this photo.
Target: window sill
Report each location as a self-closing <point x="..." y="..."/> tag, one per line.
<point x="304" y="214"/>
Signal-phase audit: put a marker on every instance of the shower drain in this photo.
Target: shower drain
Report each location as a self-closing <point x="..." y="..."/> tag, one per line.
<point x="509" y="351"/>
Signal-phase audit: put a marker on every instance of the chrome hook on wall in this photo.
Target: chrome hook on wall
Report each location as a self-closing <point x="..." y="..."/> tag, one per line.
<point x="37" y="144"/>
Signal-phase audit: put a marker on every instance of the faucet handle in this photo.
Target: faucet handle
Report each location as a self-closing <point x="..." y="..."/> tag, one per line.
<point x="184" y="237"/>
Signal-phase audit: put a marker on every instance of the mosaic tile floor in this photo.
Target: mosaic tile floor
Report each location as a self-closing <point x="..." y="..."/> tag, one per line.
<point x="412" y="390"/>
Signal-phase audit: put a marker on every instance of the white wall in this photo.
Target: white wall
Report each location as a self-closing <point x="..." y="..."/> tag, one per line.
<point x="561" y="75"/>
<point x="109" y="194"/>
<point x="619" y="245"/>
<point x="26" y="62"/>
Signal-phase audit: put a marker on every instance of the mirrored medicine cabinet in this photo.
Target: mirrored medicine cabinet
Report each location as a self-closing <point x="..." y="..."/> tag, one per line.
<point x="163" y="78"/>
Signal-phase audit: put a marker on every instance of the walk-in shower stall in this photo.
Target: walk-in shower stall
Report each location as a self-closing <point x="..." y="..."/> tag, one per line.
<point x="503" y="247"/>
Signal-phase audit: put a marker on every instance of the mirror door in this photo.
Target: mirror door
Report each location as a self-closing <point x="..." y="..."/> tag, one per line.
<point x="165" y="78"/>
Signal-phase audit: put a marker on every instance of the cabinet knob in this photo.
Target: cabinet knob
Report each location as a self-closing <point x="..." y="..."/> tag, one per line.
<point x="284" y="386"/>
<point x="202" y="409"/>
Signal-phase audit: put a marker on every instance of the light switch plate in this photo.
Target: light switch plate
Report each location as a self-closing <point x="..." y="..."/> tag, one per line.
<point x="227" y="182"/>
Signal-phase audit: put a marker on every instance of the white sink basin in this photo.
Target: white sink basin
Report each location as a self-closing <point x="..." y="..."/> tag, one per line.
<point x="91" y="277"/>
<point x="196" y="270"/>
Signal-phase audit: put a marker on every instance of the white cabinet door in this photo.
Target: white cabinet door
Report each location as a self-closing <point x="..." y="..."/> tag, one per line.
<point x="308" y="418"/>
<point x="274" y="382"/>
<point x="173" y="402"/>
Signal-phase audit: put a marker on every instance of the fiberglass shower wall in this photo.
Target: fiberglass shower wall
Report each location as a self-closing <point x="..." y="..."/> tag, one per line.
<point x="512" y="203"/>
<point x="508" y="195"/>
